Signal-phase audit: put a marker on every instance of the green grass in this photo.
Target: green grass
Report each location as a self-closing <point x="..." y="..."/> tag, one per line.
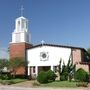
<point x="60" y="84"/>
<point x="11" y="81"/>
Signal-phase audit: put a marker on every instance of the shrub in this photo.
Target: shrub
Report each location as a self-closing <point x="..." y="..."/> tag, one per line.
<point x="63" y="78"/>
<point x="5" y="77"/>
<point x="45" y="77"/>
<point x="42" y="77"/>
<point x="51" y="75"/>
<point x="81" y="75"/>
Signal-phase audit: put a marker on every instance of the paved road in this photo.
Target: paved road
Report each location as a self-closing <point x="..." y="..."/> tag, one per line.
<point x="24" y="88"/>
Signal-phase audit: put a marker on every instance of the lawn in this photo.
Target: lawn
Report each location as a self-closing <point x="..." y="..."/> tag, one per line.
<point x="11" y="81"/>
<point x="60" y="84"/>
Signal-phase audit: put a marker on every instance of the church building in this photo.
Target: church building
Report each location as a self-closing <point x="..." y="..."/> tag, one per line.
<point x="43" y="56"/>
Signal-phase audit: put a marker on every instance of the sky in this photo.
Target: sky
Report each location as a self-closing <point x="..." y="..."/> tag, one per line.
<point x="63" y="22"/>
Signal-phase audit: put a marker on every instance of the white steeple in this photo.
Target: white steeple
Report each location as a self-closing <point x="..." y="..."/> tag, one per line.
<point x="21" y="33"/>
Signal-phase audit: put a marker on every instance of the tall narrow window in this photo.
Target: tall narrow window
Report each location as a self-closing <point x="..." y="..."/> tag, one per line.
<point x="18" y="26"/>
<point x="23" y="22"/>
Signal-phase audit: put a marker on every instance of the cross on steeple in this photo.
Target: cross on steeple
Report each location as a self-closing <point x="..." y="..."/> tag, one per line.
<point x="42" y="42"/>
<point x="22" y="9"/>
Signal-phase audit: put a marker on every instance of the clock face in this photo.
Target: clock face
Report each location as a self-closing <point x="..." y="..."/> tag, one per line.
<point x="44" y="56"/>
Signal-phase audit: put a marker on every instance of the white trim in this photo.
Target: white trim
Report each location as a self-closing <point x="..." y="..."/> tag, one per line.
<point x="36" y="70"/>
<point x="52" y="68"/>
<point x="28" y="70"/>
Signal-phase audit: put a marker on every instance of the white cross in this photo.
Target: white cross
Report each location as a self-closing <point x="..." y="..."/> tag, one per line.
<point x="42" y="42"/>
<point x="22" y="9"/>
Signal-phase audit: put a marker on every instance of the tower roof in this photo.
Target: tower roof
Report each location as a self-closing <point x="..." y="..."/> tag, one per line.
<point x="21" y="18"/>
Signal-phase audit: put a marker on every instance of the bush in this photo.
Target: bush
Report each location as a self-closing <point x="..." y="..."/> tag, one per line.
<point x="64" y="76"/>
<point x="46" y="77"/>
<point x="81" y="75"/>
<point x="51" y="75"/>
<point x="5" y="76"/>
<point x="42" y="77"/>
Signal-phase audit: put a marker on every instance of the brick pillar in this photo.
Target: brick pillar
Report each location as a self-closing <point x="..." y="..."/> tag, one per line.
<point x="19" y="50"/>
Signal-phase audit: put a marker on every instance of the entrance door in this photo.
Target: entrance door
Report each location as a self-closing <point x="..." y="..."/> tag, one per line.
<point x="43" y="68"/>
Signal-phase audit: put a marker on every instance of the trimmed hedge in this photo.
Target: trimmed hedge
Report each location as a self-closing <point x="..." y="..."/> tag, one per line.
<point x="81" y="75"/>
<point x="51" y="76"/>
<point x="46" y="77"/>
<point x="42" y="77"/>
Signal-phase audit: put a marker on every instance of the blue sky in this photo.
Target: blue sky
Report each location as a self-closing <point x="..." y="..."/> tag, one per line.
<point x="64" y="22"/>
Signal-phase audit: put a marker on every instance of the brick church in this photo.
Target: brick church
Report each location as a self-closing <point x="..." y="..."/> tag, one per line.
<point x="43" y="56"/>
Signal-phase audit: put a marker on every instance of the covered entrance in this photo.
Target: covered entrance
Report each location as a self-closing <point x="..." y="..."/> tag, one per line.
<point x="43" y="68"/>
<point x="34" y="70"/>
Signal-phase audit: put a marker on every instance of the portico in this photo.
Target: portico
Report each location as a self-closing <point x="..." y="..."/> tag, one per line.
<point x="34" y="70"/>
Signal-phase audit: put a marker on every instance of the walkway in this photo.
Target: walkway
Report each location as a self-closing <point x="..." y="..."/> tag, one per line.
<point x="25" y="88"/>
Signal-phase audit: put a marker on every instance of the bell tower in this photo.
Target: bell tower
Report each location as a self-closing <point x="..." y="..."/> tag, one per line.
<point x="21" y="33"/>
<point x="21" y="39"/>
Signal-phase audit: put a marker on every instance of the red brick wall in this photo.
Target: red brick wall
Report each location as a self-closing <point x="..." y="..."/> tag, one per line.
<point x="77" y="59"/>
<point x="18" y="50"/>
<point x="76" y="55"/>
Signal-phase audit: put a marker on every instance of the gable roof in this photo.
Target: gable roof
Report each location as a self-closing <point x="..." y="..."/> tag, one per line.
<point x="54" y="45"/>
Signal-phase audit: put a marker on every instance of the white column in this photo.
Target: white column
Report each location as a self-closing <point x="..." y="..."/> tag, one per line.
<point x="36" y="70"/>
<point x="52" y="68"/>
<point x="28" y="70"/>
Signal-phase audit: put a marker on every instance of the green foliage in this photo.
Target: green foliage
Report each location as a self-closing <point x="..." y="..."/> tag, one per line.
<point x="81" y="75"/>
<point x="88" y="50"/>
<point x="11" y="66"/>
<point x="16" y="63"/>
<point x="51" y="75"/>
<point x="46" y="77"/>
<point x="63" y="78"/>
<point x="60" y="84"/>
<point x="5" y="76"/>
<point x="42" y="77"/>
<point x="59" y="67"/>
<point x="66" y="72"/>
<point x="11" y="81"/>
<point x="3" y="63"/>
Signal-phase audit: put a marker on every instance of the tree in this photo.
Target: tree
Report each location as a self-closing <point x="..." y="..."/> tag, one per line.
<point x="70" y="69"/>
<point x="16" y="63"/>
<point x="4" y="72"/>
<point x="59" y="67"/>
<point x="3" y="63"/>
<point x="88" y="50"/>
<point x="66" y="72"/>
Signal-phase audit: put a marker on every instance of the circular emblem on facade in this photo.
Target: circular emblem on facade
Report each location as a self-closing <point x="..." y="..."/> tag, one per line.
<point x="44" y="56"/>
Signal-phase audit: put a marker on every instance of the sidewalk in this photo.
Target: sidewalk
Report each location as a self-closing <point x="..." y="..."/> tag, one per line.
<point x="41" y="88"/>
